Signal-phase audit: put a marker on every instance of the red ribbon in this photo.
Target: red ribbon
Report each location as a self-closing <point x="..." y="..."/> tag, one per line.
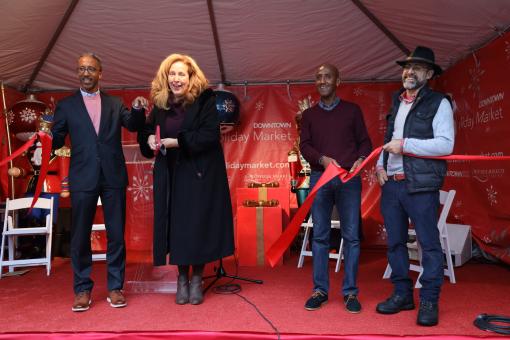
<point x="22" y="149"/>
<point x="276" y="251"/>
<point x="46" y="154"/>
<point x="46" y="142"/>
<point x="278" y="248"/>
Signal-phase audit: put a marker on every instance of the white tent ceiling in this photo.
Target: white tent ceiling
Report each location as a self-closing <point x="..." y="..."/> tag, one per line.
<point x="256" y="41"/>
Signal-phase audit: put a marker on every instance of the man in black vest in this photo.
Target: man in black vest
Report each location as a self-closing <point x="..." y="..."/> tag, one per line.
<point x="420" y="122"/>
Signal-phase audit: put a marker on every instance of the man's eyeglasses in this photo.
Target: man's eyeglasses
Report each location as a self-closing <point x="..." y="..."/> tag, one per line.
<point x="89" y="69"/>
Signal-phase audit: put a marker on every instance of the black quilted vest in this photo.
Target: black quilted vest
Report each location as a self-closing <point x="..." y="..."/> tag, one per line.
<point x="421" y="174"/>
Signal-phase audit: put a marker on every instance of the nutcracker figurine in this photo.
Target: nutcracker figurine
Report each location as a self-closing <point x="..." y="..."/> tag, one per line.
<point x="25" y="118"/>
<point x="299" y="167"/>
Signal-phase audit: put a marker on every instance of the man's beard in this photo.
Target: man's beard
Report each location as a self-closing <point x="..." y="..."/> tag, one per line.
<point x="412" y="83"/>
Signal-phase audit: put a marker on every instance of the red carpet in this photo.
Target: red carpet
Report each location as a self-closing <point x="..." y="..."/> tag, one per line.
<point x="35" y="303"/>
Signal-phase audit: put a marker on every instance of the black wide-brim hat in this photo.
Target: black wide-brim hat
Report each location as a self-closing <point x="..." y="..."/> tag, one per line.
<point x="425" y="55"/>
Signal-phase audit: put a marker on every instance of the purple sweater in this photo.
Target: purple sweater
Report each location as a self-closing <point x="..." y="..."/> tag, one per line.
<point x="340" y="134"/>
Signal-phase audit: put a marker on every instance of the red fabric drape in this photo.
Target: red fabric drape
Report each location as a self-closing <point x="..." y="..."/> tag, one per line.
<point x="256" y="150"/>
<point x="477" y="86"/>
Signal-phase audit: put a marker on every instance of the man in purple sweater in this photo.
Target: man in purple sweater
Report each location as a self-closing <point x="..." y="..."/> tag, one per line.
<point x="333" y="131"/>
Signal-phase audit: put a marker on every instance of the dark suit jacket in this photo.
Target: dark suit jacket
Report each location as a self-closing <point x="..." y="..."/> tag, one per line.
<point x="91" y="152"/>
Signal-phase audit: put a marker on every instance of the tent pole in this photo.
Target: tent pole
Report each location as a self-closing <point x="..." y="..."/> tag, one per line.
<point x="51" y="44"/>
<point x="380" y="25"/>
<point x="217" y="46"/>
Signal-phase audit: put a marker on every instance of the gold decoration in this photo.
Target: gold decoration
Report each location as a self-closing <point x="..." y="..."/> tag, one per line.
<point x="44" y="125"/>
<point x="305" y="104"/>
<point x="263" y="185"/>
<point x="63" y="152"/>
<point x="261" y="203"/>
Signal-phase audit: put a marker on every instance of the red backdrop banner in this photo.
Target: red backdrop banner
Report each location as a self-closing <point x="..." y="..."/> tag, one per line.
<point x="256" y="150"/>
<point x="478" y="85"/>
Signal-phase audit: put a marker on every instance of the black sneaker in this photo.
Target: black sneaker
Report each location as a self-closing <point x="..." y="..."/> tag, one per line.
<point x="428" y="314"/>
<point x="395" y="304"/>
<point x="316" y="301"/>
<point x="352" y="304"/>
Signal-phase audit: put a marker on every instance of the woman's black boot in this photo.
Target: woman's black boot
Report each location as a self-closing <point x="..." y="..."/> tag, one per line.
<point x="182" y="295"/>
<point x="196" y="296"/>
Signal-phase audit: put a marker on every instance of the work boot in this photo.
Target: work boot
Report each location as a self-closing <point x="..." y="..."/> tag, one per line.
<point x="428" y="314"/>
<point x="394" y="304"/>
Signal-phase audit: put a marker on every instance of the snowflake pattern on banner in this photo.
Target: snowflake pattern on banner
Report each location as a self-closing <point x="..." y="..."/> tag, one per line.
<point x="28" y="115"/>
<point x="492" y="195"/>
<point x="507" y="50"/>
<point x="369" y="176"/>
<point x="458" y="206"/>
<point x="382" y="114"/>
<point x="381" y="232"/>
<point x="140" y="188"/>
<point x="358" y="91"/>
<point x="259" y="105"/>
<point x="475" y="74"/>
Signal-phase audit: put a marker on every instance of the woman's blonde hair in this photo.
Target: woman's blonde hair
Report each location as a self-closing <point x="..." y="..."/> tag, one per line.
<point x="160" y="91"/>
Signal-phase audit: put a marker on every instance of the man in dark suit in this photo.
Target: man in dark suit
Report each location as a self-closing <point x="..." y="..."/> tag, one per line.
<point x="93" y="121"/>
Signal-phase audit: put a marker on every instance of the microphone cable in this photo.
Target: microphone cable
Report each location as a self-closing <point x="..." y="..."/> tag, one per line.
<point x="493" y="323"/>
<point x="234" y="288"/>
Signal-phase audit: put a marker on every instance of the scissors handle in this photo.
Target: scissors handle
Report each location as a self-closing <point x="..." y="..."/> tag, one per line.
<point x="158" y="140"/>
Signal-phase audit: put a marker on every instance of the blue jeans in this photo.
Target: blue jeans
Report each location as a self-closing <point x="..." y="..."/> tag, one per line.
<point x="347" y="198"/>
<point x="397" y="206"/>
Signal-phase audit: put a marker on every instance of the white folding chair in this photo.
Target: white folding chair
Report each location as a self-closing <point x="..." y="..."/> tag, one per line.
<point x="12" y="230"/>
<point x="335" y="224"/>
<point x="446" y="200"/>
<point x="98" y="227"/>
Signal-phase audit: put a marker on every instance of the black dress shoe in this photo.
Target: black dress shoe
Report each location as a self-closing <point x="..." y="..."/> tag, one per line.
<point x="395" y="304"/>
<point x="428" y="314"/>
<point x="316" y="301"/>
<point x="352" y="304"/>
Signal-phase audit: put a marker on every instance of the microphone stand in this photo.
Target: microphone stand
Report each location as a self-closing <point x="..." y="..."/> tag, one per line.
<point x="220" y="273"/>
